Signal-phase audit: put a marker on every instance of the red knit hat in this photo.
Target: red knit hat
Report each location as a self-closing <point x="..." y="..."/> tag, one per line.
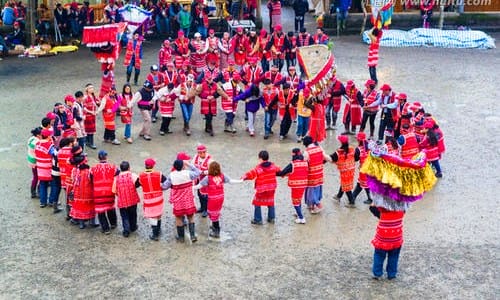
<point x="211" y="30"/>
<point x="239" y="29"/>
<point x="402" y="96"/>
<point x="385" y="87"/>
<point x="183" y="156"/>
<point x="69" y="98"/>
<point x="361" y="136"/>
<point x="51" y="115"/>
<point x="370" y="82"/>
<point x="149" y="162"/>
<point x="343" y="139"/>
<point x="201" y="148"/>
<point x="349" y="84"/>
<point x="278" y="27"/>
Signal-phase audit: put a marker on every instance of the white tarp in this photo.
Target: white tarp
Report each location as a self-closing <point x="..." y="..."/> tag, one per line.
<point x="423" y="37"/>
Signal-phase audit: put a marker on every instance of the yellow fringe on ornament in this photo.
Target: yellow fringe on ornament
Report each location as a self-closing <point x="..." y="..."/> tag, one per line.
<point x="409" y="181"/>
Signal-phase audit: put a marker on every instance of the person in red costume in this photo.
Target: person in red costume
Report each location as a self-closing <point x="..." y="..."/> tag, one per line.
<point x="265" y="187"/>
<point x="387" y="241"/>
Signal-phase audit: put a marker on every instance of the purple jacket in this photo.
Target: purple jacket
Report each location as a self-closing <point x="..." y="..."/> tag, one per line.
<point x="253" y="94"/>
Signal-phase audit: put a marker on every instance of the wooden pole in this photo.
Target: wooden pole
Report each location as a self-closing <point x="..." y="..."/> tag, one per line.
<point x="30" y="22"/>
<point x="441" y="16"/>
<point x="258" y="13"/>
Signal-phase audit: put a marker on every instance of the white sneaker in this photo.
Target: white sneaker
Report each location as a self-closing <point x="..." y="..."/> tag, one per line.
<point x="115" y="142"/>
<point x="300" y="221"/>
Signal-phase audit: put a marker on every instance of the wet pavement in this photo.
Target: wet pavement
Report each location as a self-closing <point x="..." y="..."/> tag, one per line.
<point x="451" y="244"/>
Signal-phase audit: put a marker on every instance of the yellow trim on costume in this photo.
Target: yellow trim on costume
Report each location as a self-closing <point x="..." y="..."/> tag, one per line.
<point x="410" y="181"/>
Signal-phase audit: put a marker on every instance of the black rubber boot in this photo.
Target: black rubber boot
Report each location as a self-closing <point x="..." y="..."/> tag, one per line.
<point x="159" y="226"/>
<point x="180" y="234"/>
<point x="192" y="233"/>
<point x="207" y="125"/>
<point x="128" y="77"/>
<point x="33" y="192"/>
<point x="215" y="230"/>
<point x="357" y="190"/>
<point x="155" y="232"/>
<point x="369" y="200"/>
<point x="353" y="130"/>
<point x="350" y="198"/>
<point x="346" y="127"/>
<point x="136" y="78"/>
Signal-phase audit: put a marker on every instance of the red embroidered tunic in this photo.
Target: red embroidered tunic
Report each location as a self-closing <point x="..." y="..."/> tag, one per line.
<point x="265" y="183"/>
<point x="103" y="175"/>
<point x="63" y="156"/>
<point x="108" y="113"/>
<point x="152" y="193"/>
<point x="208" y="101"/>
<point x="410" y="147"/>
<point x="44" y="159"/>
<point x="82" y="207"/>
<point x="362" y="179"/>
<point x="202" y="165"/>
<point x="215" y="191"/>
<point x="353" y="107"/>
<point x="346" y="166"/>
<point x="285" y="104"/>
<point x="126" y="192"/>
<point x="317" y="124"/>
<point x="315" y="172"/>
<point x="297" y="180"/>
<point x="389" y="233"/>
<point x="181" y="193"/>
<point x="90" y="105"/>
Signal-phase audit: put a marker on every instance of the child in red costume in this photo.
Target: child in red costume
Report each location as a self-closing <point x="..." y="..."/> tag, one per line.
<point x="214" y="182"/>
<point x="265" y="187"/>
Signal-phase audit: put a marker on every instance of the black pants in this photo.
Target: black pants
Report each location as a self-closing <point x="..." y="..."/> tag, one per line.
<point x="358" y="190"/>
<point x="129" y="218"/>
<point x="349" y="195"/>
<point x="368" y="116"/>
<point x="386" y="122"/>
<point x="103" y="219"/>
<point x="279" y="62"/>
<point x="109" y="135"/>
<point x="165" y="124"/>
<point x="286" y="123"/>
<point x="290" y="62"/>
<point x="373" y="73"/>
<point x="299" y="22"/>
<point x="208" y="122"/>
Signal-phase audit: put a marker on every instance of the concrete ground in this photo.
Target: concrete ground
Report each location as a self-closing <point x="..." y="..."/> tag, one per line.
<point x="451" y="244"/>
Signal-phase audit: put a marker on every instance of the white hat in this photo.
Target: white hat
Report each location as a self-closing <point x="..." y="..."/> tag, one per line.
<point x="196" y="35"/>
